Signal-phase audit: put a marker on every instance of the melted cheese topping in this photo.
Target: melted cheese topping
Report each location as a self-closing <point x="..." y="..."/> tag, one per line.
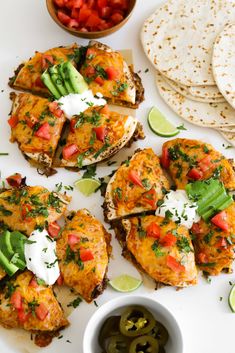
<point x="177" y="206"/>
<point x="41" y="258"/>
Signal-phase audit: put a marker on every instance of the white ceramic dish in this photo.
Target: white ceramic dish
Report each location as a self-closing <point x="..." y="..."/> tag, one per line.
<point x="116" y="306"/>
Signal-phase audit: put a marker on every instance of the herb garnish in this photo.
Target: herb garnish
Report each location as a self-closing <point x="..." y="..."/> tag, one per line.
<point x="75" y="303"/>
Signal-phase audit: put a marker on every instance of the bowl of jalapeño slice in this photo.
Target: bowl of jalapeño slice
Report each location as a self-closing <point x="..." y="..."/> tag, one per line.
<point x="132" y="324"/>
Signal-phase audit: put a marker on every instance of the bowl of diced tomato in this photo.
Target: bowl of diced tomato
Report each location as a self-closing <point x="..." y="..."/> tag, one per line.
<point x="90" y="18"/>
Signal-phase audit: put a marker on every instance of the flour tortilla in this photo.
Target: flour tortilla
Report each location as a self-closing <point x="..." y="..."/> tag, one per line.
<point x="201" y="114"/>
<point x="178" y="38"/>
<point x="185" y="91"/>
<point x="229" y="136"/>
<point x="223" y="62"/>
<point x="206" y="91"/>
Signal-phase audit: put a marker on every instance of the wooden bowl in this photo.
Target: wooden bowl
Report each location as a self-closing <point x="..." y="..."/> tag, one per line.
<point x="51" y="7"/>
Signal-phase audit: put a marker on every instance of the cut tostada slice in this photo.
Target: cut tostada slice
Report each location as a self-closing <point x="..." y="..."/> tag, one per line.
<point x="83" y="251"/>
<point x="136" y="186"/>
<point x="106" y="71"/>
<point x="36" y="125"/>
<point x="28" y="75"/>
<point x="159" y="247"/>
<point x="97" y="134"/>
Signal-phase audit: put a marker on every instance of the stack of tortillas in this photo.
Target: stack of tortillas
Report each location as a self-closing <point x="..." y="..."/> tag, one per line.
<point x="192" y="46"/>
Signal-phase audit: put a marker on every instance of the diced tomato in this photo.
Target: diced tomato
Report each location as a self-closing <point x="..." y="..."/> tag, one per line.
<point x="13" y="121"/>
<point x="112" y="73"/>
<point x="93" y="20"/>
<point x="22" y="315"/>
<point x="47" y="60"/>
<point x="119" y="4"/>
<point x="75" y="13"/>
<point x="195" y="174"/>
<point x="116" y="17"/>
<point x="33" y="283"/>
<point x="105" y="12"/>
<point x="84" y="14"/>
<point x="59" y="3"/>
<point x="150" y="198"/>
<point x="99" y="80"/>
<point x="86" y="255"/>
<point x="101" y="133"/>
<point x="55" y="109"/>
<point x="44" y="131"/>
<point x="105" y="110"/>
<point x="41" y="311"/>
<point x="205" y="164"/>
<point x="31" y="120"/>
<point x="83" y="29"/>
<point x="91" y="3"/>
<point x="134" y="178"/>
<point x="153" y="230"/>
<point x="165" y="158"/>
<point x="102" y="3"/>
<point x="173" y="264"/>
<point x="77" y="4"/>
<point x="53" y="229"/>
<point x="64" y="19"/>
<point x="68" y="4"/>
<point x="168" y="240"/>
<point x="25" y="209"/>
<point x="38" y="82"/>
<point x="72" y="125"/>
<point x="220" y="220"/>
<point x="73" y="23"/>
<point x="14" y="180"/>
<point x="202" y="258"/>
<point x="60" y="280"/>
<point x="90" y="71"/>
<point x="196" y="229"/>
<point x="222" y="243"/>
<point x="73" y="239"/>
<point x="69" y="151"/>
<point x="16" y="300"/>
<point x="91" y="52"/>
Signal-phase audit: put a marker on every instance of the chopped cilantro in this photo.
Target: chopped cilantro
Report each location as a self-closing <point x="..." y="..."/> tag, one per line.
<point x="75" y="303"/>
<point x="157" y="250"/>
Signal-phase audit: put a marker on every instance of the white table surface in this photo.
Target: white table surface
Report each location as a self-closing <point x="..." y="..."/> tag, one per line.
<point x="202" y="310"/>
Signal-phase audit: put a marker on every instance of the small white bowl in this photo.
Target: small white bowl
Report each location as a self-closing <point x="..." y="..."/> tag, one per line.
<point x="116" y="306"/>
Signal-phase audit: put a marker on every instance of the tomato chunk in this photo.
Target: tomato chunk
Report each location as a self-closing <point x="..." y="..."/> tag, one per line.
<point x="47" y="60"/>
<point x="134" y="178"/>
<point x="55" y="109"/>
<point x="84" y="13"/>
<point x="53" y="229"/>
<point x="90" y="71"/>
<point x="222" y="243"/>
<point x="31" y="120"/>
<point x="41" y="311"/>
<point x="153" y="230"/>
<point x="25" y="210"/>
<point x="99" y="80"/>
<point x="77" y="4"/>
<point x="112" y="73"/>
<point x="14" y="180"/>
<point x="195" y="174"/>
<point x="60" y="280"/>
<point x="116" y="17"/>
<point x="168" y="240"/>
<point x="38" y="83"/>
<point x="165" y="158"/>
<point x="205" y="164"/>
<point x="13" y="121"/>
<point x="93" y="20"/>
<point x="102" y="3"/>
<point x="64" y="19"/>
<point x="105" y="110"/>
<point x="70" y="150"/>
<point x="73" y="239"/>
<point x="73" y="23"/>
<point x="150" y="198"/>
<point x="22" y="316"/>
<point x="100" y="132"/>
<point x="202" y="258"/>
<point x="86" y="255"/>
<point x="220" y="220"/>
<point x="33" y="283"/>
<point x="60" y="3"/>
<point x="72" y="125"/>
<point x="196" y="229"/>
<point x="16" y="300"/>
<point x="173" y="264"/>
<point x="44" y="131"/>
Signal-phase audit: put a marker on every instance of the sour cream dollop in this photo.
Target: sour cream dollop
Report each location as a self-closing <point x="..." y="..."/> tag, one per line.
<point x="75" y="103"/>
<point x="41" y="257"/>
<point x="178" y="207"/>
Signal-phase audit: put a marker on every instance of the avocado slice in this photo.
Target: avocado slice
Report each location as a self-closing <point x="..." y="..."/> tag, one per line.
<point x="64" y="74"/>
<point x="5" y="245"/>
<point x="46" y="79"/>
<point x="76" y="79"/>
<point x="17" y="242"/>
<point x="9" y="267"/>
<point x="57" y="80"/>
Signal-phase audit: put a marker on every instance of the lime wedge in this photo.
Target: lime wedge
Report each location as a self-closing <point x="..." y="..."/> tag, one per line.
<point x="125" y="283"/>
<point x="87" y="185"/>
<point x="160" y="125"/>
<point x="231" y="298"/>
